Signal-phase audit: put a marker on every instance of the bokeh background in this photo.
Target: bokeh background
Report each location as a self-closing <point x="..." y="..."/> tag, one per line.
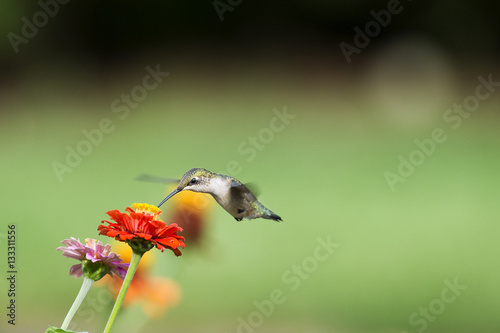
<point x="233" y="67"/>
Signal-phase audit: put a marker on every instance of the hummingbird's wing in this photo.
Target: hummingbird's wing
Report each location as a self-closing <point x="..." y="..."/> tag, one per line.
<point x="153" y="179"/>
<point x="247" y="204"/>
<point x="239" y="187"/>
<point x="252" y="187"/>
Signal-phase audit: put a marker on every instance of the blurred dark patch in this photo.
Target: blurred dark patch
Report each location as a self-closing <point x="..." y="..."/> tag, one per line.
<point x="112" y="31"/>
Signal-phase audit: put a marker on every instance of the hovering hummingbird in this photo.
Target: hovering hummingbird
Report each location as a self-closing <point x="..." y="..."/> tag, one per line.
<point x="229" y="192"/>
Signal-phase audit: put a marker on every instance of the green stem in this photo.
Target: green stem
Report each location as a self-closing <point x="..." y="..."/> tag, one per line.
<point x="134" y="262"/>
<point x="87" y="283"/>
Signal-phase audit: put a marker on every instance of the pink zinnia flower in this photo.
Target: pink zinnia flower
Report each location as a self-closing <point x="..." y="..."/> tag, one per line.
<point x="96" y="259"/>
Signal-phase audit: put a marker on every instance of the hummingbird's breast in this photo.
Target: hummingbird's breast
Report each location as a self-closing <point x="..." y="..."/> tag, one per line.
<point x="221" y="191"/>
<point x="219" y="187"/>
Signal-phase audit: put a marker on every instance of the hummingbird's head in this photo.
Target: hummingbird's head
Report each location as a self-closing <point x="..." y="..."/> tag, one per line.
<point x="196" y="180"/>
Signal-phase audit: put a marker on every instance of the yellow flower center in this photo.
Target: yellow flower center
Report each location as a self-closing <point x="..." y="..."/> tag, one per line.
<point x="145" y="208"/>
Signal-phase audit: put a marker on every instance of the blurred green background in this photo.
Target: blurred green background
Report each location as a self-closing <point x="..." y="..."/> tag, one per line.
<point x="323" y="170"/>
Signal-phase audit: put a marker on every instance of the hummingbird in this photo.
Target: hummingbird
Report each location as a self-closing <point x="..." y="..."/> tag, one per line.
<point x="229" y="192"/>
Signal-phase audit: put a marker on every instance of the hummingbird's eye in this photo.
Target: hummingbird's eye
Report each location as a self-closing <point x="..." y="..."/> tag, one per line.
<point x="193" y="181"/>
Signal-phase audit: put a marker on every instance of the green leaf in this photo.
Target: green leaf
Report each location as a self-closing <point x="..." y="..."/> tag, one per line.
<point x="53" y="329"/>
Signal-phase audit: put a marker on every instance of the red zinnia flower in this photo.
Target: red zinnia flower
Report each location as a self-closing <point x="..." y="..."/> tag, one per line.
<point x="142" y="229"/>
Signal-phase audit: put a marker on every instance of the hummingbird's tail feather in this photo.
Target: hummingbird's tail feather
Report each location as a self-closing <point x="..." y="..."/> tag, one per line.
<point x="272" y="217"/>
<point x="265" y="213"/>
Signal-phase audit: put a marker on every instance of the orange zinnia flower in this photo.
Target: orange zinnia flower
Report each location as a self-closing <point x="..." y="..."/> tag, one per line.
<point x="189" y="211"/>
<point x="155" y="294"/>
<point x="141" y="228"/>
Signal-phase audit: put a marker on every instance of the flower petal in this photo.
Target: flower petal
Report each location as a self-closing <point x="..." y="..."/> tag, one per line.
<point x="76" y="270"/>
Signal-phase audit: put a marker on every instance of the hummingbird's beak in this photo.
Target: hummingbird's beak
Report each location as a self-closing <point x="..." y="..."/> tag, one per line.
<point x="174" y="192"/>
